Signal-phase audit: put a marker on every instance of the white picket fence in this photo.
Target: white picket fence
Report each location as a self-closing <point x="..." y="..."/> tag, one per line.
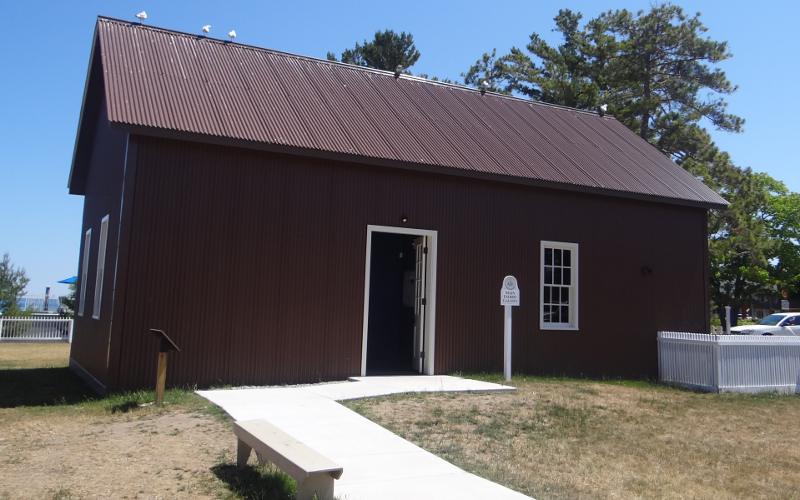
<point x="35" y="329"/>
<point x="729" y="363"/>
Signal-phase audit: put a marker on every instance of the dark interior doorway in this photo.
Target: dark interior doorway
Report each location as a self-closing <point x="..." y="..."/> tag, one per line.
<point x="394" y="298"/>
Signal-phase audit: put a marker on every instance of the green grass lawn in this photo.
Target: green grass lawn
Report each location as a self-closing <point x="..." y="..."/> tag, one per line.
<point x="571" y="438"/>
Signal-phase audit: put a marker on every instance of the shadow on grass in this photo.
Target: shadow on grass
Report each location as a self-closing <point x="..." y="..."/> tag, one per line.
<point x="256" y="483"/>
<point x="124" y="407"/>
<point x="41" y="387"/>
<point x="51" y="388"/>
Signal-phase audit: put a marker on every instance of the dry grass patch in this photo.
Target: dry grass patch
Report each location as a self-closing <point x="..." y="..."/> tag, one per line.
<point x="61" y="441"/>
<point x="34" y="355"/>
<point x="575" y="438"/>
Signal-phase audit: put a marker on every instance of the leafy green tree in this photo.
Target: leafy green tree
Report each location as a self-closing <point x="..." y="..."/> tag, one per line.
<point x="386" y="51"/>
<point x="13" y="281"/>
<point x="754" y="244"/>
<point x="781" y="215"/>
<point x="739" y="244"/>
<point x="737" y="250"/>
<point x="69" y="301"/>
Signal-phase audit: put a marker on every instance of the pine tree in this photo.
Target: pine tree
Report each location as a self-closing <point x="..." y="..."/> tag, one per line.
<point x="656" y="71"/>
<point x="386" y="51"/>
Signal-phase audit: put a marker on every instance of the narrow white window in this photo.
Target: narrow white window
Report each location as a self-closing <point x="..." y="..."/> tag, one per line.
<point x="87" y="246"/>
<point x="101" y="267"/>
<point x="559" y="286"/>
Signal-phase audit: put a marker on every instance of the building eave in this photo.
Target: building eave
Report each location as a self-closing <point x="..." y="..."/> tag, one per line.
<point x="419" y="167"/>
<point x="82" y="119"/>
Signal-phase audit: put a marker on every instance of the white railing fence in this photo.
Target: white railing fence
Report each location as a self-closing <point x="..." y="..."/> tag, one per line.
<point x="35" y="329"/>
<point x="729" y="363"/>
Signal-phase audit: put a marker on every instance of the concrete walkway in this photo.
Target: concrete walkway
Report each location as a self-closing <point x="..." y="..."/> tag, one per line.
<point x="377" y="463"/>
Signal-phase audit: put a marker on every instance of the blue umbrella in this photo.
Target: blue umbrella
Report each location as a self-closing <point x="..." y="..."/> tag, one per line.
<point x="69" y="281"/>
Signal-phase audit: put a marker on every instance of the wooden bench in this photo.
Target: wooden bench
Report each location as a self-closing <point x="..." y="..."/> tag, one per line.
<point x="313" y="472"/>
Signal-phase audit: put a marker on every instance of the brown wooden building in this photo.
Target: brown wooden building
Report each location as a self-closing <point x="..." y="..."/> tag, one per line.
<point x="286" y="219"/>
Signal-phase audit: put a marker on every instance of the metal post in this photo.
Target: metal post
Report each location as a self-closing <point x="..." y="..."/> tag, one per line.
<point x="1" y="328"/>
<point x="727" y="320"/>
<point x="71" y="324"/>
<point x="507" y="344"/>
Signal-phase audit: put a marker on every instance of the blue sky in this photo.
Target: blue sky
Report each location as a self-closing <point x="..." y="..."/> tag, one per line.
<point x="45" y="50"/>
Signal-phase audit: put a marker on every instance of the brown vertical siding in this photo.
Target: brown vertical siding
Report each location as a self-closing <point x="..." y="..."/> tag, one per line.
<point x="90" y="346"/>
<point x="254" y="263"/>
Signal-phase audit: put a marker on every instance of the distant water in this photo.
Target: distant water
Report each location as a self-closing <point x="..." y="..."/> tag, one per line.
<point x="37" y="304"/>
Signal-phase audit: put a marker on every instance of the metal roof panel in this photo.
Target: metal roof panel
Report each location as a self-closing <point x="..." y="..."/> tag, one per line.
<point x="163" y="79"/>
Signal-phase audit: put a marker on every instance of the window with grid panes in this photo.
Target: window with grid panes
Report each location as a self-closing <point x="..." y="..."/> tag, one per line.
<point x="559" y="286"/>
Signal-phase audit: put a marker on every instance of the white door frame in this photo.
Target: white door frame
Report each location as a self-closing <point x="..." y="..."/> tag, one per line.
<point x="429" y="341"/>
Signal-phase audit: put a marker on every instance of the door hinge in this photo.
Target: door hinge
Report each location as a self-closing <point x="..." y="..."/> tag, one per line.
<point x="425" y="250"/>
<point x="421" y="354"/>
<point x="424" y="302"/>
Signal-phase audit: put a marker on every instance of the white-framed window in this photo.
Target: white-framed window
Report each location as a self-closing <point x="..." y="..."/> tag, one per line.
<point x="87" y="246"/>
<point x="101" y="267"/>
<point x="558" y="291"/>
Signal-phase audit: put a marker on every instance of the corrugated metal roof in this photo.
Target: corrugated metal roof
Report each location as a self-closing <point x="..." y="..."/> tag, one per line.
<point x="173" y="81"/>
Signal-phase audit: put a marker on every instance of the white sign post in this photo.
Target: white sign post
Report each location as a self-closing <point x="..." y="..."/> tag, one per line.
<point x="727" y="320"/>
<point x="509" y="297"/>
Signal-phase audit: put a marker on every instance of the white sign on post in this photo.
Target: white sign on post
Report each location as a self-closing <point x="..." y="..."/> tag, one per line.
<point x="509" y="294"/>
<point x="509" y="297"/>
<point x="784" y="305"/>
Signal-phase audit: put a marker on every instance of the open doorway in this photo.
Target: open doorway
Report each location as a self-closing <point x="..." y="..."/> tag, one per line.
<point x="398" y="326"/>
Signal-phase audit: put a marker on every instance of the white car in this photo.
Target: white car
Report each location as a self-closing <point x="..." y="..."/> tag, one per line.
<point x="784" y="324"/>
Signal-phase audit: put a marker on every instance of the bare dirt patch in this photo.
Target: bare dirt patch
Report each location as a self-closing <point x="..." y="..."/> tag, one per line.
<point x="577" y="438"/>
<point x="58" y="440"/>
<point x="164" y="455"/>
